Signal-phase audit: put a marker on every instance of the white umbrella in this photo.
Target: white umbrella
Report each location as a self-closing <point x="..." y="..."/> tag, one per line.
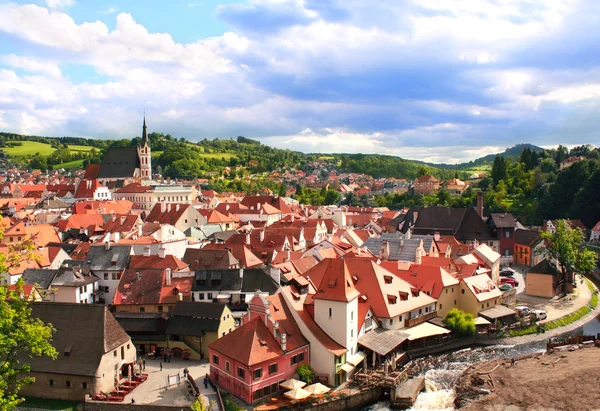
<point x="297" y="394"/>
<point x="292" y="384"/>
<point x="317" y="389"/>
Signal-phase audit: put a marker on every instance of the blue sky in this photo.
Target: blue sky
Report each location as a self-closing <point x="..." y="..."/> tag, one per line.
<point x="423" y="79"/>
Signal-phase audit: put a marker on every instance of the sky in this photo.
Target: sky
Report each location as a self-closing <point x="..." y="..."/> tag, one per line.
<point x="439" y="81"/>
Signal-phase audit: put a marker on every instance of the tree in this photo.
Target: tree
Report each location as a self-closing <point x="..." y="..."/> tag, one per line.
<point x="305" y="373"/>
<point x="201" y="404"/>
<point x="21" y="336"/>
<point x="460" y="322"/>
<point x="423" y="171"/>
<point x="498" y="170"/>
<point x="566" y="245"/>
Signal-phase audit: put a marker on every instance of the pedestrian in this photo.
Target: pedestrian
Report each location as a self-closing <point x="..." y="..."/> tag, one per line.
<point x="132" y="401"/>
<point x="160" y="365"/>
<point x="512" y="362"/>
<point x="205" y="383"/>
<point x="144" y="364"/>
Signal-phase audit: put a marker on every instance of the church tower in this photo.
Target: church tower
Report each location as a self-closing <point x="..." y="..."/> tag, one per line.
<point x="145" y="155"/>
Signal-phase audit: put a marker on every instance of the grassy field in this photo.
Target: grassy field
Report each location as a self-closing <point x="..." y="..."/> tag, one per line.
<point x="74" y="147"/>
<point x="70" y="164"/>
<point x="227" y="156"/>
<point x="29" y="148"/>
<point x="482" y="169"/>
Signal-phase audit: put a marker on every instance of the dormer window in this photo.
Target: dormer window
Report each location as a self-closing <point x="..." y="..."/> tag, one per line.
<point x="387" y="279"/>
<point x="392" y="299"/>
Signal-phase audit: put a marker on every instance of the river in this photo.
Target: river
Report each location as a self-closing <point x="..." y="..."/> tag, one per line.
<point x="442" y="371"/>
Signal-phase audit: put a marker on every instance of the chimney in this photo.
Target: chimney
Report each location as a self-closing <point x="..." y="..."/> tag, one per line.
<point x="402" y="242"/>
<point x="168" y="276"/>
<point x="226" y="207"/>
<point x="139" y="230"/>
<point x="293" y="219"/>
<point x="283" y="342"/>
<point x="480" y="204"/>
<point x="107" y="245"/>
<point x="288" y="255"/>
<point x="177" y="207"/>
<point x="139" y="275"/>
<point x="162" y="252"/>
<point x="123" y="218"/>
<point x="436" y="236"/>
<point x="248" y="238"/>
<point x="117" y="237"/>
<point x="385" y="250"/>
<point x="114" y="217"/>
<point x="169" y="207"/>
<point x="359" y="250"/>
<point x="418" y="257"/>
<point x="262" y="235"/>
<point x="409" y="234"/>
<point x="241" y="272"/>
<point x="179" y="297"/>
<point x="163" y="207"/>
<point x="147" y="251"/>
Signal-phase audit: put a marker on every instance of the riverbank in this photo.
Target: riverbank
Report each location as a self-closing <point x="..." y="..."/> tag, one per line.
<point x="564" y="380"/>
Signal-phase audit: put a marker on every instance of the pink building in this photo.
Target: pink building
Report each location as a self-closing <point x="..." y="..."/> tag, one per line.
<point x="251" y="361"/>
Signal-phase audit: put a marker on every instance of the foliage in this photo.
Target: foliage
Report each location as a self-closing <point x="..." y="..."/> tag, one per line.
<point x="20" y="336"/>
<point x="231" y="406"/>
<point x="306" y="373"/>
<point x="460" y="322"/>
<point x="311" y="196"/>
<point x="594" y="301"/>
<point x="201" y="404"/>
<point x="566" y="246"/>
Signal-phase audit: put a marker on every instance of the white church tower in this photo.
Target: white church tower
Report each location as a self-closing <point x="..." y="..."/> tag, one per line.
<point x="145" y="156"/>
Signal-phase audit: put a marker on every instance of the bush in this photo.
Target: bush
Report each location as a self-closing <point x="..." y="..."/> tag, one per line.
<point x="594" y="301"/>
<point x="230" y="406"/>
<point x="305" y="373"/>
<point x="460" y="322"/>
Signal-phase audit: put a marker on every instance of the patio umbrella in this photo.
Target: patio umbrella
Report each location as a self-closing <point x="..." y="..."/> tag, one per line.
<point x="297" y="394"/>
<point x="292" y="384"/>
<point x="317" y="389"/>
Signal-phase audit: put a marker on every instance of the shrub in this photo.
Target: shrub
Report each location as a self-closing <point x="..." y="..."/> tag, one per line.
<point x="306" y="373"/>
<point x="230" y="406"/>
<point x="460" y="322"/>
<point x="594" y="301"/>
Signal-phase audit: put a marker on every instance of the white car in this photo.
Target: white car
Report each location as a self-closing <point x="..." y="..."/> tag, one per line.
<point x="523" y="311"/>
<point x="540" y="315"/>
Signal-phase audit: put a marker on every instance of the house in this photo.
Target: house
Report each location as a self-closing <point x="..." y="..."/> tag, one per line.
<point x="595" y="233"/>
<point x="181" y="216"/>
<point x="544" y="280"/>
<point x="395" y="248"/>
<point x="40" y="234"/>
<point x="251" y="361"/>
<point x="478" y="293"/>
<point x="426" y="185"/>
<point x="150" y="290"/>
<point x="456" y="187"/>
<point x="145" y="197"/>
<point x="93" y="352"/>
<point x="224" y="220"/>
<point x="92" y="190"/>
<point x="234" y="287"/>
<point x="432" y="280"/>
<point x="465" y="224"/>
<point x="569" y="161"/>
<point x="241" y="252"/>
<point x="529" y="247"/>
<point x="74" y="283"/>
<point x="503" y="227"/>
<point x="210" y="259"/>
<point x="194" y="325"/>
<point x="108" y="262"/>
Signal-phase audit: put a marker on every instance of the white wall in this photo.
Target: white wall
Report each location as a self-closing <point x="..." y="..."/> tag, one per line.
<point x="342" y="325"/>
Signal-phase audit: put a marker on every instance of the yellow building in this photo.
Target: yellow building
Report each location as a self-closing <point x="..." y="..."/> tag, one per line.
<point x="478" y="293"/>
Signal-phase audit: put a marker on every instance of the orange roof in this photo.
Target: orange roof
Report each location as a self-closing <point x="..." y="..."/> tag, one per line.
<point x="169" y="215"/>
<point x="240" y="251"/>
<point x="103" y="207"/>
<point x="334" y="281"/>
<point x="250" y="344"/>
<point x="216" y="217"/>
<point x="155" y="261"/>
<point x="430" y="279"/>
<point x="81" y="221"/>
<point x="149" y="287"/>
<point x="134" y="188"/>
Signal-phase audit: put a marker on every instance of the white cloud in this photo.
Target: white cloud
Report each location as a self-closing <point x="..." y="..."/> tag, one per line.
<point x="32" y="65"/>
<point x="60" y="4"/>
<point x="109" y="10"/>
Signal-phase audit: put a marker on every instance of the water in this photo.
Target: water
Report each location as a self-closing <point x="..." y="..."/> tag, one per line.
<point x="442" y="372"/>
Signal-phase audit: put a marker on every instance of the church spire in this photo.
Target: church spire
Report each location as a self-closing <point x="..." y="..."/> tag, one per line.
<point x="144" y="133"/>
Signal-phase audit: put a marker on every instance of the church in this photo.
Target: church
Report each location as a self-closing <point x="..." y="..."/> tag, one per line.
<point x="124" y="165"/>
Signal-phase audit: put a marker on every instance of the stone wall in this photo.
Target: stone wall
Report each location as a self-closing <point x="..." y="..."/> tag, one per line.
<point x="358" y="401"/>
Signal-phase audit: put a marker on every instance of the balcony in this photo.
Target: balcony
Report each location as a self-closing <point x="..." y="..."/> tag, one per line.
<point x="421" y="319"/>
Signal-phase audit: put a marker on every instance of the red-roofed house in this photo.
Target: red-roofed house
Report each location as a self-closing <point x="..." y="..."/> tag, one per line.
<point x="181" y="216"/>
<point x="92" y="190"/>
<point x="426" y="185"/>
<point x="252" y="360"/>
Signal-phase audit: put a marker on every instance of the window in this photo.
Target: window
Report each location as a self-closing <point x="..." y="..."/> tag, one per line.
<point x="160" y="308"/>
<point x="454" y="302"/>
<point x="241" y="373"/>
<point x="257" y="373"/>
<point x="106" y="276"/>
<point x="273" y="368"/>
<point x="201" y="296"/>
<point x="122" y="352"/>
<point x="440" y="306"/>
<point x="185" y="220"/>
<point x="351" y="315"/>
<point x="446" y="291"/>
<point x="68" y="384"/>
<point x="84" y="385"/>
<point x="462" y="291"/>
<point x="128" y="346"/>
<point x="391" y="321"/>
<point x="142" y="309"/>
<point x="209" y="296"/>
<point x="351" y="333"/>
<point x="227" y="365"/>
<point x="215" y="359"/>
<point x="330" y="312"/>
<point x="51" y="383"/>
<point x="301" y="357"/>
<point x="114" y="353"/>
<point x="482" y="306"/>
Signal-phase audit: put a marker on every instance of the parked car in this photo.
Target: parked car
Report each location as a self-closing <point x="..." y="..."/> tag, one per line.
<point x="509" y="280"/>
<point x="507" y="272"/>
<point x="523" y="310"/>
<point x="540" y="315"/>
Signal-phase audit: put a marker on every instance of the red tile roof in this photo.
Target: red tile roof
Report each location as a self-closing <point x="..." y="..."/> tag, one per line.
<point x="170" y="214"/>
<point x="250" y="344"/>
<point x="240" y="251"/>
<point x="139" y="287"/>
<point x="156" y="262"/>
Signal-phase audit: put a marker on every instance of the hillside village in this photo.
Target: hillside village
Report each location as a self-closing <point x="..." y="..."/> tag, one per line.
<point x="130" y="266"/>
